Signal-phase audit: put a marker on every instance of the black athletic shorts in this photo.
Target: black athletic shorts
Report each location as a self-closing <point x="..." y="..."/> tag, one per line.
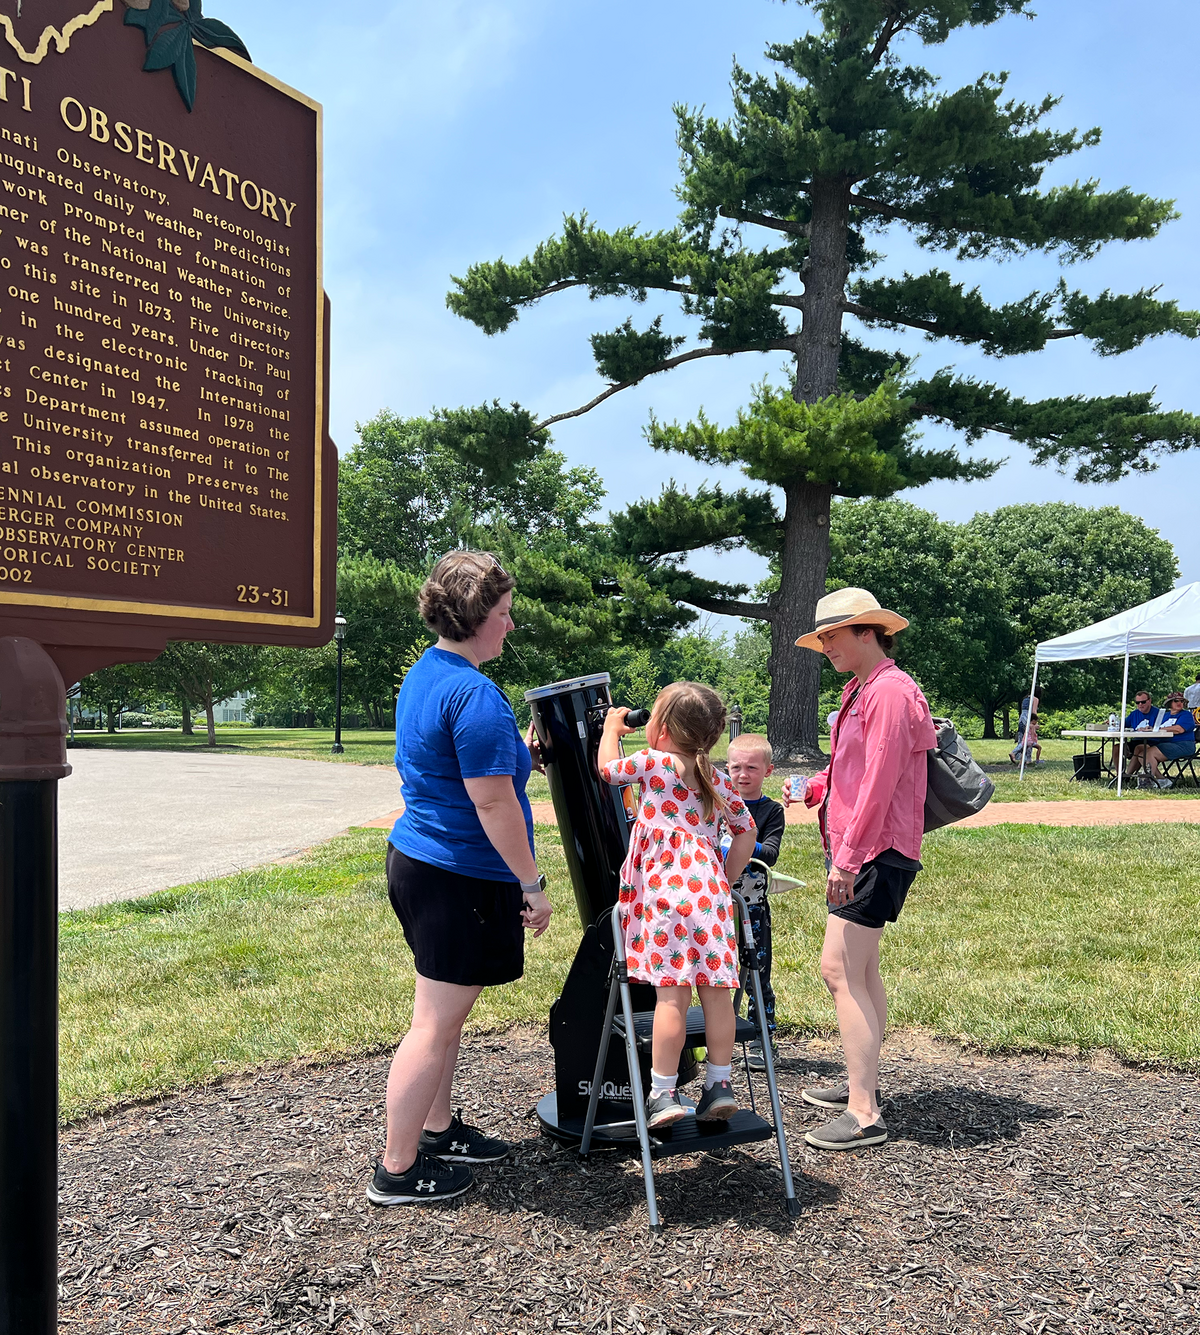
<point x="460" y="929"/>
<point x="880" y="889"/>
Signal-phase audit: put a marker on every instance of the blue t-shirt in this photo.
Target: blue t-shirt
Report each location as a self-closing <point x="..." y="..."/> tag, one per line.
<point x="452" y="724"/>
<point x="1185" y="720"/>
<point x="1153" y="718"/>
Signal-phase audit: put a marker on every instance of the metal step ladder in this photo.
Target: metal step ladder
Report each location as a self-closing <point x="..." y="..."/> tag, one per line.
<point x="687" y="1136"/>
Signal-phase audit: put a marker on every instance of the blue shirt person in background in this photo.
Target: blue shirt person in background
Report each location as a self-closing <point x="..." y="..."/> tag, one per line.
<point x="1180" y="723"/>
<point x="1143" y="711"/>
<point x="461" y="872"/>
<point x="1142" y="716"/>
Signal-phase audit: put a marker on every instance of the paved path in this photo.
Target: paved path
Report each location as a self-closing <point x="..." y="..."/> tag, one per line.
<point x="137" y="821"/>
<point x="1148" y="812"/>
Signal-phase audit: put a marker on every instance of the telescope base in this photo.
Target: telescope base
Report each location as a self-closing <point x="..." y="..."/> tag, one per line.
<point x="616" y="1129"/>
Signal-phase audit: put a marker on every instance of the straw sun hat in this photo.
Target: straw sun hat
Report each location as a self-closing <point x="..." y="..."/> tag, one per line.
<point x="850" y="607"/>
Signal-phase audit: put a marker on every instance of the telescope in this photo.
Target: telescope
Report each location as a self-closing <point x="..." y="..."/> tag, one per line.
<point x="597" y="1100"/>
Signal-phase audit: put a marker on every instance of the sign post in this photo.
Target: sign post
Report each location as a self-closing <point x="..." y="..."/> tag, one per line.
<point x="166" y="471"/>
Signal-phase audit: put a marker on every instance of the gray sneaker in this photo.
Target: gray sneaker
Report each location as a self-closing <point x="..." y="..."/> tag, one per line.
<point x="664" y="1109"/>
<point x="845" y="1133"/>
<point x="755" y="1061"/>
<point x="835" y="1097"/>
<point x="717" y="1103"/>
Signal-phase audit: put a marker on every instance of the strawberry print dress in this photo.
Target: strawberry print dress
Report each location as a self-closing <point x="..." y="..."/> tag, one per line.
<point x="676" y="911"/>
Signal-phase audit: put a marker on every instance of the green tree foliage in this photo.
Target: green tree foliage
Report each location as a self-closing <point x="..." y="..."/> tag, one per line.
<point x="1064" y="567"/>
<point x="379" y="601"/>
<point x="980" y="595"/>
<point x="200" y="675"/>
<point x="946" y="581"/>
<point x="113" y="689"/>
<point x="843" y="143"/>
<point x="415" y="488"/>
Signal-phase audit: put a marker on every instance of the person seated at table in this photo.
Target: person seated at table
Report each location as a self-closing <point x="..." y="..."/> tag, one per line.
<point x="1143" y="717"/>
<point x="1181" y="724"/>
<point x="1028" y="742"/>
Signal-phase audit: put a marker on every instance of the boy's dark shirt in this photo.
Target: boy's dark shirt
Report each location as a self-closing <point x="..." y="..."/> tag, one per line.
<point x="769" y="818"/>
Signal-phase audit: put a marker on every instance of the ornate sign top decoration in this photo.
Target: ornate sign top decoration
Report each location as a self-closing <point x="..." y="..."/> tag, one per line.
<point x="171" y="26"/>
<point x="32" y="27"/>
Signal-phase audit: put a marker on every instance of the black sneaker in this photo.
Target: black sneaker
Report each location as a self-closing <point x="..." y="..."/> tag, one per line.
<point x="846" y="1133"/>
<point x="717" y="1103"/>
<point x="664" y="1109"/>
<point x="834" y="1097"/>
<point x="426" y="1181"/>
<point x="460" y="1143"/>
<point x="755" y="1061"/>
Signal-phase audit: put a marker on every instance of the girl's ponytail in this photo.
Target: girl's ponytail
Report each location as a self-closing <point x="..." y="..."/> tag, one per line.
<point x="709" y="796"/>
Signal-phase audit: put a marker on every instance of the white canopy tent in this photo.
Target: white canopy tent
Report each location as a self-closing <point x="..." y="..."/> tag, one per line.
<point x="1169" y="624"/>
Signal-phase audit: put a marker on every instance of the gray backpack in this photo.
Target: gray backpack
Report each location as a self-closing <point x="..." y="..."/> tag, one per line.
<point x="957" y="786"/>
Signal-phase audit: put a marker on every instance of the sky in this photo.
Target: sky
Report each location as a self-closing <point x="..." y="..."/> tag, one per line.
<point x="463" y="131"/>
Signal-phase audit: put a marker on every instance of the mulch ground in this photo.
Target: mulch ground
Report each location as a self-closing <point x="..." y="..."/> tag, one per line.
<point x="1017" y="1194"/>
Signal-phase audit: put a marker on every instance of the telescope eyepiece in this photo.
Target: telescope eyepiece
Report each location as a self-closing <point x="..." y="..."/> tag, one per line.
<point x="637" y="718"/>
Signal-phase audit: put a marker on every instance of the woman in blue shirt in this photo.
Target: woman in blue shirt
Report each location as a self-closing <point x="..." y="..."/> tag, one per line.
<point x="461" y="871"/>
<point x="1181" y="722"/>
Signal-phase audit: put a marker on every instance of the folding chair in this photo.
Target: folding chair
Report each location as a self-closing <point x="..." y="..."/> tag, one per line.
<point x="686" y="1136"/>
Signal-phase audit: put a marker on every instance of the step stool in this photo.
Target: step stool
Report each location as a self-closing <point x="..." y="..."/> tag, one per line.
<point x="686" y="1136"/>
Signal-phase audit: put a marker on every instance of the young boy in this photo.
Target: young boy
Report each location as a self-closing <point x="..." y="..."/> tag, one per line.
<point x="749" y="764"/>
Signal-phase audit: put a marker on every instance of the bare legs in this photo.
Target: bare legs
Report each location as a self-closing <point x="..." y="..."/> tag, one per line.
<point x="1153" y="757"/>
<point x="670" y="1025"/>
<point x="850" y="968"/>
<point x="418" y="1089"/>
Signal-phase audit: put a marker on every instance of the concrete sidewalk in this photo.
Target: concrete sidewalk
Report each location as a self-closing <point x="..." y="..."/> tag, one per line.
<point x="132" y="822"/>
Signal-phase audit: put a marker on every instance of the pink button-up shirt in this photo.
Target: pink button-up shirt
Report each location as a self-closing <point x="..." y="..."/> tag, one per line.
<point x="878" y="759"/>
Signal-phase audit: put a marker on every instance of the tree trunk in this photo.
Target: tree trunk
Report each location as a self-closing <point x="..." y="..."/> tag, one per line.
<point x="989" y="720"/>
<point x="210" y="720"/>
<point x="187" y="720"/>
<point x="112" y="717"/>
<point x="804" y="559"/>
<point x="1007" y="721"/>
<point x="796" y="673"/>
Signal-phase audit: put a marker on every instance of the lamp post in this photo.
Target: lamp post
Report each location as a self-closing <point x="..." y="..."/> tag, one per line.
<point x="339" y="634"/>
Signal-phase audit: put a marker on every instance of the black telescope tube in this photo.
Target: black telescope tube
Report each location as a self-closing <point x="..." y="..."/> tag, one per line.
<point x="637" y="718"/>
<point x="594" y="818"/>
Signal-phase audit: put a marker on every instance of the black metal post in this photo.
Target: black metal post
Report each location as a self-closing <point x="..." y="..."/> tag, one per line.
<point x="338" y="748"/>
<point x="32" y="760"/>
<point x="735" y="721"/>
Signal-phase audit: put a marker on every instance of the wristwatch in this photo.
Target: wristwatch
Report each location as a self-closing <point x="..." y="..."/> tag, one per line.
<point x="537" y="887"/>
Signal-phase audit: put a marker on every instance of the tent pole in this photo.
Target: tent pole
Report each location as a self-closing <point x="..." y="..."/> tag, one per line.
<point x="1121" y="721"/>
<point x="1032" y="693"/>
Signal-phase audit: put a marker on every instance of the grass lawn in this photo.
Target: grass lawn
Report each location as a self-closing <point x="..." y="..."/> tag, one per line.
<point x="363" y="747"/>
<point x="1046" y="783"/>
<point x="1014" y="937"/>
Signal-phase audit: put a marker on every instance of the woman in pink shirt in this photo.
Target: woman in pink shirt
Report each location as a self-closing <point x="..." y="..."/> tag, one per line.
<point x="872" y="813"/>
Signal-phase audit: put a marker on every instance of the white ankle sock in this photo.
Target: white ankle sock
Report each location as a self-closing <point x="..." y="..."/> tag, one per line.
<point x="713" y="1075"/>
<point x="660" y="1084"/>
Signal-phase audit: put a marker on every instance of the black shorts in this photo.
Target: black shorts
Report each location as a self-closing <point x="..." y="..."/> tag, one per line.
<point x="879" y="893"/>
<point x="461" y="929"/>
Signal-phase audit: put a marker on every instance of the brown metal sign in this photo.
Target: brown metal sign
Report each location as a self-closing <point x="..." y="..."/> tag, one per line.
<point x="165" y="470"/>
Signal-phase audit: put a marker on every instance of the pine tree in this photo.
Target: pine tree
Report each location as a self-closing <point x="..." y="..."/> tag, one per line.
<point x="843" y="143"/>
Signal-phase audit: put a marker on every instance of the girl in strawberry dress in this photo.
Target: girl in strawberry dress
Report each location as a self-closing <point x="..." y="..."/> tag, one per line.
<point x="677" y="913"/>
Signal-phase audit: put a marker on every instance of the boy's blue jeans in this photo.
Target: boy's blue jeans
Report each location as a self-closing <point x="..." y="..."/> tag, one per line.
<point x="760" y="924"/>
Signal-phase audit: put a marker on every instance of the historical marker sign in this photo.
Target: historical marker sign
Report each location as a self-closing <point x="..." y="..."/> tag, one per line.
<point x="165" y="470"/>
